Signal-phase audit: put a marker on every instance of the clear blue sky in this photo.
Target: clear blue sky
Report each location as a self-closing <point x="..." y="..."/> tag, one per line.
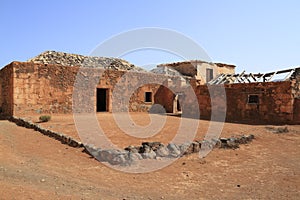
<point x="255" y="35"/>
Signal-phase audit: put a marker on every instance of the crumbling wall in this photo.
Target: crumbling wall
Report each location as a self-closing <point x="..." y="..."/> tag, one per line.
<point x="225" y="68"/>
<point x="275" y="102"/>
<point x="198" y="69"/>
<point x="6" y="90"/>
<point x="186" y="68"/>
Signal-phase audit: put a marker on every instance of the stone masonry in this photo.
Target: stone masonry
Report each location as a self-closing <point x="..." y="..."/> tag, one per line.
<point x="45" y="84"/>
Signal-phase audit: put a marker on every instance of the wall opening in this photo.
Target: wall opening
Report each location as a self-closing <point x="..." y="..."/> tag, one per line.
<point x="176" y="103"/>
<point x="148" y="97"/>
<point x="102" y="101"/>
<point x="209" y="75"/>
<point x="253" y="99"/>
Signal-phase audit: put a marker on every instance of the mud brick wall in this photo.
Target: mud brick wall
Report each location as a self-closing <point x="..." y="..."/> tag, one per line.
<point x="275" y="103"/>
<point x="6" y="90"/>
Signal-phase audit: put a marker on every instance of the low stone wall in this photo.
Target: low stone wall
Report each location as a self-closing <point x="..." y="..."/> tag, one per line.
<point x="157" y="150"/>
<point x="131" y="154"/>
<point x="65" y="139"/>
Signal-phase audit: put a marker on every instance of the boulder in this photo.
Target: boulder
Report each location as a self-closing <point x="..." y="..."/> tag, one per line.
<point x="196" y="147"/>
<point x="132" y="149"/>
<point x="232" y="143"/>
<point x="150" y="155"/>
<point x="153" y="145"/>
<point x="186" y="148"/>
<point x="162" y="152"/>
<point x="174" y="150"/>
<point x="134" y="156"/>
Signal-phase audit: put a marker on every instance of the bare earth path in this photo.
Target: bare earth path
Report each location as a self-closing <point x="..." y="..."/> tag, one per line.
<point x="33" y="166"/>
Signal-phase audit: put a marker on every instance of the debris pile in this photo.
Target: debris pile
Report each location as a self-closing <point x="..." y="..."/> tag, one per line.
<point x="67" y="59"/>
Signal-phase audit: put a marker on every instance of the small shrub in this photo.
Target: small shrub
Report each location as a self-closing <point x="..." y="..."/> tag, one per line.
<point x="45" y="118"/>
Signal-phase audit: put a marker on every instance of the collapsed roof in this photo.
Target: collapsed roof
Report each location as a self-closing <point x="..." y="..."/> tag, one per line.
<point x="282" y="75"/>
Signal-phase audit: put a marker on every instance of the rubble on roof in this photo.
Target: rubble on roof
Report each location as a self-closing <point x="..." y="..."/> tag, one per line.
<point x="67" y="59"/>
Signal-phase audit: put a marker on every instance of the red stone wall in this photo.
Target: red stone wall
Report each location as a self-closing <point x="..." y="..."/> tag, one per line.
<point x="164" y="97"/>
<point x="275" y="103"/>
<point x="42" y="88"/>
<point x="297" y="111"/>
<point x="28" y="88"/>
<point x="6" y="91"/>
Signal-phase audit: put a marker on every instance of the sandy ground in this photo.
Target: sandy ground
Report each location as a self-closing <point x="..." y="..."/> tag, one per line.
<point x="34" y="166"/>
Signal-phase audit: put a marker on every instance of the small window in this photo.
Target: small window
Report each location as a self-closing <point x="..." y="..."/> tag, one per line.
<point x="148" y="96"/>
<point x="209" y="75"/>
<point x="253" y="99"/>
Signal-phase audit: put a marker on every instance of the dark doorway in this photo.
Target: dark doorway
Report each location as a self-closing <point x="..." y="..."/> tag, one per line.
<point x="178" y="106"/>
<point x="176" y="103"/>
<point x="101" y="100"/>
<point x="148" y="97"/>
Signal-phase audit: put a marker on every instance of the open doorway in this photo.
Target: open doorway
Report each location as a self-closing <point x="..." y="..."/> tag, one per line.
<point x="176" y="103"/>
<point x="102" y="100"/>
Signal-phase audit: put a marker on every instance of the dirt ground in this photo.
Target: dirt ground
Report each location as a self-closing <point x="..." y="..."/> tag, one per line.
<point x="34" y="166"/>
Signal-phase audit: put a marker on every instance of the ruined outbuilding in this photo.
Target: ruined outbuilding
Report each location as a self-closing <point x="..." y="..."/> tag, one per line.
<point x="45" y="84"/>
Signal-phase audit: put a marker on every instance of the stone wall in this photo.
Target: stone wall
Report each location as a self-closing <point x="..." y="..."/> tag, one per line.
<point x="28" y="87"/>
<point x="46" y="88"/>
<point x="297" y="111"/>
<point x="6" y="91"/>
<point x="42" y="88"/>
<point x="296" y="95"/>
<point x="197" y="69"/>
<point x="275" y="104"/>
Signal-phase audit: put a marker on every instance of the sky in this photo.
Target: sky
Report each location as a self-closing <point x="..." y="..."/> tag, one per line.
<point x="254" y="35"/>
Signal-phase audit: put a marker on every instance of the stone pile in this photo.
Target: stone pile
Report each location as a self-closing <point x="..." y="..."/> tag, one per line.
<point x="66" y="59"/>
<point x="278" y="130"/>
<point x="157" y="150"/>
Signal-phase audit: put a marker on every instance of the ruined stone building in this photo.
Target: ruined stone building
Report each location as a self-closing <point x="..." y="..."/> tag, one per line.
<point x="45" y="84"/>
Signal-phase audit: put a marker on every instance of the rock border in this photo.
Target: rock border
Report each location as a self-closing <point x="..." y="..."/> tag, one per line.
<point x="64" y="139"/>
<point x="147" y="150"/>
<point x="157" y="150"/>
